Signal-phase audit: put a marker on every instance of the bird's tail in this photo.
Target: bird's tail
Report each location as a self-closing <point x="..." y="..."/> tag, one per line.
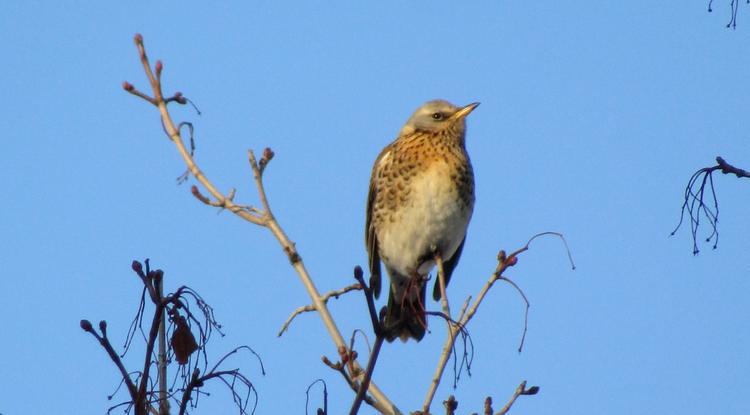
<point x="405" y="317"/>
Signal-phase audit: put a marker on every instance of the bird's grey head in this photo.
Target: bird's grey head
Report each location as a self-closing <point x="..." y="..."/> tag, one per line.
<point x="436" y="116"/>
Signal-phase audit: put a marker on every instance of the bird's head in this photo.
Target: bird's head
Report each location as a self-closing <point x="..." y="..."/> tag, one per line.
<point x="438" y="115"/>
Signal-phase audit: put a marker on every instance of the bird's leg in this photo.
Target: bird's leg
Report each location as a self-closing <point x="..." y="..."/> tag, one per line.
<point x="413" y="290"/>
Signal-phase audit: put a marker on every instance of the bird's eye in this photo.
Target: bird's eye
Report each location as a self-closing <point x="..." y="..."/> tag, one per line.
<point x="437" y="116"/>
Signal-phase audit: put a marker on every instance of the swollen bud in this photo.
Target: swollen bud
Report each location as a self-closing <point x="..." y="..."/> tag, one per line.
<point x="137" y="267"/>
<point x="268" y="153"/>
<point x="103" y="326"/>
<point x="138" y="39"/>
<point x="159" y="66"/>
<point x="358" y="273"/>
<point x="127" y="86"/>
<point x="86" y="325"/>
<point x="501" y="256"/>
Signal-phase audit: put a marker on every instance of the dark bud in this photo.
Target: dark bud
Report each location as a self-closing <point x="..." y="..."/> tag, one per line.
<point x="158" y="67"/>
<point x="137" y="267"/>
<point x="179" y="98"/>
<point x="512" y="261"/>
<point x="268" y="154"/>
<point x="320" y="411"/>
<point x="196" y="373"/>
<point x="127" y="86"/>
<point x="86" y="325"/>
<point x="531" y="391"/>
<point x="358" y="273"/>
<point x="103" y="326"/>
<point x="451" y="404"/>
<point x="488" y="406"/>
<point x="501" y="256"/>
<point x="138" y="39"/>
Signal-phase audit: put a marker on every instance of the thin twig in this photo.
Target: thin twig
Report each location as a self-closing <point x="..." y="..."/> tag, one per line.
<point x="525" y="313"/>
<point x="382" y="403"/>
<point x="368" y="375"/>
<point x="377" y="328"/>
<point x="504" y="262"/>
<point x="305" y="308"/>
<point x="520" y="390"/>
<point x="449" y="341"/>
<point x="693" y="200"/>
<point x="441" y="284"/>
<point x="104" y="341"/>
<point x="162" y="361"/>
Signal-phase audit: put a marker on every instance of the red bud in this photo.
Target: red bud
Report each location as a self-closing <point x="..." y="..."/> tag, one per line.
<point x="127" y="86"/>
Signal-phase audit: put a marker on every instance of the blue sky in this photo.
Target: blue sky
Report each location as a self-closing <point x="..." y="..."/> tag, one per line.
<point x="593" y="117"/>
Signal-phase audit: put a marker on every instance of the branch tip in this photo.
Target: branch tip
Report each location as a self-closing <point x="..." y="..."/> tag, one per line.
<point x="138" y="39"/>
<point x="137" y="267"/>
<point x="86" y="326"/>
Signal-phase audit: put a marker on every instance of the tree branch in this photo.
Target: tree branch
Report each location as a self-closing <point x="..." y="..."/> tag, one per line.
<point x="265" y="218"/>
<point x="504" y="262"/>
<point x="305" y="308"/>
<point x="694" y="204"/>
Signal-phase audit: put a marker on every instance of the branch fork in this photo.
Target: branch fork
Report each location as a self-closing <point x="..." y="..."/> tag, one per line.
<point x="262" y="217"/>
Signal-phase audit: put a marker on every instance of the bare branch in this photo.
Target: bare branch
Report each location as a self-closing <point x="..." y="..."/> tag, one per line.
<point x="694" y="200"/>
<point x="104" y="341"/>
<point x="265" y="218"/>
<point x="504" y="262"/>
<point x="377" y="328"/>
<point x="305" y="308"/>
<point x="520" y="390"/>
<point x="734" y="6"/>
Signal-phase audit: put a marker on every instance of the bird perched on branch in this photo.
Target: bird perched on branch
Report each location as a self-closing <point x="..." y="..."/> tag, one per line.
<point x="419" y="205"/>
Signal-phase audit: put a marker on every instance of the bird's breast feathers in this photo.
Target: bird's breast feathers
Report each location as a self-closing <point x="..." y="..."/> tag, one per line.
<point x="434" y="215"/>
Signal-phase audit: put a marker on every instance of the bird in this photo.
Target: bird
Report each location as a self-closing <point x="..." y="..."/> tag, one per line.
<point x="419" y="204"/>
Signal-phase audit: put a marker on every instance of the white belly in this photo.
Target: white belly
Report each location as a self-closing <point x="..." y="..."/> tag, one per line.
<point x="434" y="218"/>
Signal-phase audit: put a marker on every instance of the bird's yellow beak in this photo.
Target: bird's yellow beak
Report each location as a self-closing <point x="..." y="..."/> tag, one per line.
<point x="463" y="112"/>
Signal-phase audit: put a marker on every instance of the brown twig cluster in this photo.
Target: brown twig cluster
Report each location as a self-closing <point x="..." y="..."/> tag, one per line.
<point x="694" y="204"/>
<point x="183" y="348"/>
<point x="357" y="377"/>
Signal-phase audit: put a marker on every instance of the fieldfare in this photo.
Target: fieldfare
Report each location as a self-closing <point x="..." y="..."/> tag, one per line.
<point x="419" y="205"/>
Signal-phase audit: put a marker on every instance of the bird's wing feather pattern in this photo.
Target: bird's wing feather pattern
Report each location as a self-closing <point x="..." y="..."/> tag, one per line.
<point x="371" y="238"/>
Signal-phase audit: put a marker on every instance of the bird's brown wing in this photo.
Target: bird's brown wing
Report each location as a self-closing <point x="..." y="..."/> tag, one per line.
<point x="448" y="267"/>
<point x="371" y="238"/>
